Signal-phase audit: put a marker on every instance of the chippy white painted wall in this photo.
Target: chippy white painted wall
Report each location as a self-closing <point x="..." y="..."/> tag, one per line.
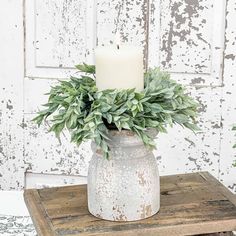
<point x="11" y="95"/>
<point x="41" y="40"/>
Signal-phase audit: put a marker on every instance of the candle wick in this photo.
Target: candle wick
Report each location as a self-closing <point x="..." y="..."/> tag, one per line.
<point x="118" y="46"/>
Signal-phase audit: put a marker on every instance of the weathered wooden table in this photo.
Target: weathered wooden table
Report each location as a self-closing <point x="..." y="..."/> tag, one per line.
<point x="191" y="204"/>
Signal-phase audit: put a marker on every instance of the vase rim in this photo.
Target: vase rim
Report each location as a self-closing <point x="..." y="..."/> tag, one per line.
<point x="129" y="133"/>
<point x="122" y="132"/>
<point x="127" y="137"/>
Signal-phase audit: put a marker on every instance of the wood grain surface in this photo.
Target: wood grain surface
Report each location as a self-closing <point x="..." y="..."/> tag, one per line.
<point x="191" y="204"/>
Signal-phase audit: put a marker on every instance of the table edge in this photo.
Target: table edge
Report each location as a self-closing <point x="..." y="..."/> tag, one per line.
<point x="224" y="190"/>
<point x="43" y="227"/>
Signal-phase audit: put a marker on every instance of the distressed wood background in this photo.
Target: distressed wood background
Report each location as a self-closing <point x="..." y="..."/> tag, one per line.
<point x="42" y="40"/>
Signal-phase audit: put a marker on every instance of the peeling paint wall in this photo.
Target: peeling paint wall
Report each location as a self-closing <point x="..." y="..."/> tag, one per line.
<point x="186" y="31"/>
<point x="227" y="173"/>
<point x="192" y="39"/>
<point x="189" y="42"/>
<point x="11" y="96"/>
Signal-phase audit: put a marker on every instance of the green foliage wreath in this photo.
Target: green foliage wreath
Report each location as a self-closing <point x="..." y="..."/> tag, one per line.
<point x="87" y="113"/>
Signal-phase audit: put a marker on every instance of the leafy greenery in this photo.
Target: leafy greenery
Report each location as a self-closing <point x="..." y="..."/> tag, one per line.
<point x="87" y="113"/>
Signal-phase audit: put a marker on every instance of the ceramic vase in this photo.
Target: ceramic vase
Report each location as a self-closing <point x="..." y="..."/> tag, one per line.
<point x="127" y="186"/>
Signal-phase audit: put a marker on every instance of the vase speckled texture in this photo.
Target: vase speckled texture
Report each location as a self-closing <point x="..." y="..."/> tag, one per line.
<point x="127" y="186"/>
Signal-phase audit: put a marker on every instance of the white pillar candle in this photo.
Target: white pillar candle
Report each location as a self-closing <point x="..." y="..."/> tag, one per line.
<point x="119" y="67"/>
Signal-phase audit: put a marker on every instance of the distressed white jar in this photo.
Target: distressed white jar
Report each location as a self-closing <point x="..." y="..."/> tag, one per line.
<point x="127" y="186"/>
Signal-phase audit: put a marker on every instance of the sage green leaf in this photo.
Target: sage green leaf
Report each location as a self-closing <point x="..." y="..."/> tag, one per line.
<point x="90" y="69"/>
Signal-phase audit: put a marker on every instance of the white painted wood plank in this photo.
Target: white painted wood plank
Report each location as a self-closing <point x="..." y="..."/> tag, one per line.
<point x="11" y="95"/>
<point x="228" y="139"/>
<point x="188" y="40"/>
<point x="154" y="38"/>
<point x="186" y="35"/>
<point x="34" y="180"/>
<point x="59" y="35"/>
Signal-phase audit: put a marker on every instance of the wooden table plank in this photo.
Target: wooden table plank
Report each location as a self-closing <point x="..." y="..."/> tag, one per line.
<point x="38" y="214"/>
<point x="190" y="204"/>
